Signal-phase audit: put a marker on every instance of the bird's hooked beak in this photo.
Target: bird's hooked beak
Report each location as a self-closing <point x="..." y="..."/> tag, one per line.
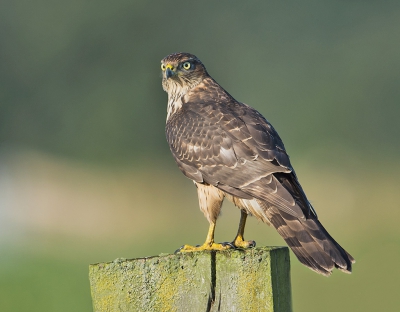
<point x="169" y="71"/>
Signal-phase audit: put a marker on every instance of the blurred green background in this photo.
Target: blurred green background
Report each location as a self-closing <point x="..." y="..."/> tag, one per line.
<point x="85" y="172"/>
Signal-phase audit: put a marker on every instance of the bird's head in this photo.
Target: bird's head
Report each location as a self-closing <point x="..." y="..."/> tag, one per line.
<point x="181" y="72"/>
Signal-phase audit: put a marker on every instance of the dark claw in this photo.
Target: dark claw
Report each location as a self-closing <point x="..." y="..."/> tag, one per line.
<point x="252" y="244"/>
<point x="179" y="249"/>
<point x="229" y="244"/>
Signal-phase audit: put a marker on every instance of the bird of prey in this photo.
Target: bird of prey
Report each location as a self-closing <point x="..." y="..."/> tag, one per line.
<point x="231" y="151"/>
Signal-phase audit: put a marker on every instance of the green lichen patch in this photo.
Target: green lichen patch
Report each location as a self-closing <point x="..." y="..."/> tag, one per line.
<point x="232" y="280"/>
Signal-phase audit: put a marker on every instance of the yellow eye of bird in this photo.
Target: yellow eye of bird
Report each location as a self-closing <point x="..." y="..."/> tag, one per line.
<point x="163" y="67"/>
<point x="186" y="65"/>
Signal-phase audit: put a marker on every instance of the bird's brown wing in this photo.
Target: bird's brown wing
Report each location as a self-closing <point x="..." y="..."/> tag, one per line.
<point x="233" y="148"/>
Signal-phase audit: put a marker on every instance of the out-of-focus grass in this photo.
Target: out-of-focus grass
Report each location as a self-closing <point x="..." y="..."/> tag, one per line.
<point x="59" y="216"/>
<point x="31" y="281"/>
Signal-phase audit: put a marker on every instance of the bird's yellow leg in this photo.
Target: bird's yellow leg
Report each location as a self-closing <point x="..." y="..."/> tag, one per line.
<point x="239" y="241"/>
<point x="208" y="244"/>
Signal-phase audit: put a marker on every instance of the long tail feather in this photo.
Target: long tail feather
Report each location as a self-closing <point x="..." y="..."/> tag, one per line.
<point x="310" y="242"/>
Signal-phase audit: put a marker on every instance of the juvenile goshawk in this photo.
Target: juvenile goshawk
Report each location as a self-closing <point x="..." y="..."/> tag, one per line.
<point x="230" y="150"/>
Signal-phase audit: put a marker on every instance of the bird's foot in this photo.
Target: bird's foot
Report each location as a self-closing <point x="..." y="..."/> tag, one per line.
<point x="205" y="246"/>
<point x="239" y="242"/>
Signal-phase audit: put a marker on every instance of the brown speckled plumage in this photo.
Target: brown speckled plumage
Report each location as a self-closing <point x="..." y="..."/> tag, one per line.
<point x="230" y="150"/>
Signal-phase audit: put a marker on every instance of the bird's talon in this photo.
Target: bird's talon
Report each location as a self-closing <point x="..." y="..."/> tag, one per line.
<point x="252" y="244"/>
<point x="242" y="244"/>
<point x="228" y="244"/>
<point x="179" y="249"/>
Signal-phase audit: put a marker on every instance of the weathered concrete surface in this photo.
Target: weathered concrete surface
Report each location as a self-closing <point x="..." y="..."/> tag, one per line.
<point x="255" y="279"/>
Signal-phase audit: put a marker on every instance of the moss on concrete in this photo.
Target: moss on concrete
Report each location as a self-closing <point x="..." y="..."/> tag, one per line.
<point x="234" y="280"/>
